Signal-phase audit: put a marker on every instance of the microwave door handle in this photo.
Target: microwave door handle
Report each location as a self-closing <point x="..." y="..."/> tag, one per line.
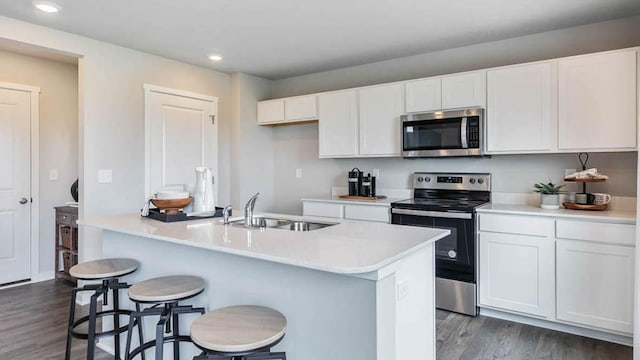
<point x="463" y="133"/>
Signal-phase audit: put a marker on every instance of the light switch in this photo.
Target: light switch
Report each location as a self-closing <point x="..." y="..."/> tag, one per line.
<point x="403" y="290"/>
<point x="105" y="176"/>
<point x="53" y="174"/>
<point x="298" y="173"/>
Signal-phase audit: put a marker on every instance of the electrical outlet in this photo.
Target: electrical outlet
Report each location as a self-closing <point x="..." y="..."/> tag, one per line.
<point x="298" y="173"/>
<point x="376" y="173"/>
<point x="403" y="290"/>
<point x="105" y="176"/>
<point x="53" y="174"/>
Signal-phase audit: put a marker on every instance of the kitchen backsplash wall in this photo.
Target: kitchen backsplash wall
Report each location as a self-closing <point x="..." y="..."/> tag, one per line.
<point x="297" y="147"/>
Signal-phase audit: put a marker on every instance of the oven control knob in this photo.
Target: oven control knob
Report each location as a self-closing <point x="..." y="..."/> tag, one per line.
<point x="452" y="254"/>
<point x="472" y="180"/>
<point x="427" y="179"/>
<point x="480" y="181"/>
<point x="420" y="179"/>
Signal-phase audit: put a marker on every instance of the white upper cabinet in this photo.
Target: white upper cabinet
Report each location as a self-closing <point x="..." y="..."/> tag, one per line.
<point x="271" y="111"/>
<point x="448" y="92"/>
<point x="464" y="90"/>
<point x="380" y="110"/>
<point x="520" y="110"/>
<point x="598" y="101"/>
<point x="293" y="109"/>
<point x="338" y="124"/>
<point x="423" y="95"/>
<point x="301" y="108"/>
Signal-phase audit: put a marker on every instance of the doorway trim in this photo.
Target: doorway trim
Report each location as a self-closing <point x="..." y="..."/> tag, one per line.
<point x="148" y="89"/>
<point x="35" y="177"/>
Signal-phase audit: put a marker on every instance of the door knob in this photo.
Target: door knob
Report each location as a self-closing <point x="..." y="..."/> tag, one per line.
<point x="23" y="201"/>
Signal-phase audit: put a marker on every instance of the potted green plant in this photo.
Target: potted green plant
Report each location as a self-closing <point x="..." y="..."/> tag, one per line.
<point x="549" y="194"/>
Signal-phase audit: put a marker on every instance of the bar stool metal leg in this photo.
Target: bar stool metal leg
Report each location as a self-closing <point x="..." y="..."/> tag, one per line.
<point x="72" y="313"/>
<point x="116" y="321"/>
<point x="91" y="335"/>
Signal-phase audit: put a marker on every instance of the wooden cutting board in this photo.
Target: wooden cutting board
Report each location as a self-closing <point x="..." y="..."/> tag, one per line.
<point x="361" y="198"/>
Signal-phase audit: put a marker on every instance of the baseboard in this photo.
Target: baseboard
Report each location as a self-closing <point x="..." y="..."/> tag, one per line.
<point x="106" y="345"/>
<point x="576" y="330"/>
<point x="46" y="276"/>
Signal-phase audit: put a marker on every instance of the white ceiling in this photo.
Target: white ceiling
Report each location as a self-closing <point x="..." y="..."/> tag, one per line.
<point x="281" y="38"/>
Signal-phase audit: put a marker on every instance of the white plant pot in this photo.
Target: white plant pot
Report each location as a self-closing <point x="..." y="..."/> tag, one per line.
<point x="550" y="201"/>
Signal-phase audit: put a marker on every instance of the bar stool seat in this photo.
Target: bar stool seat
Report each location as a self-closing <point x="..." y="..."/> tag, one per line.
<point x="239" y="331"/>
<point x="103" y="269"/>
<point x="162" y="296"/>
<point x="167" y="288"/>
<point x="107" y="271"/>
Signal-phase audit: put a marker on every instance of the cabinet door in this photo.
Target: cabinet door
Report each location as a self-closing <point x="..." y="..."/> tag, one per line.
<point x="338" y="124"/>
<point x="270" y="111"/>
<point x="301" y="108"/>
<point x="423" y="95"/>
<point x="597" y="101"/>
<point x="464" y="90"/>
<point x="517" y="273"/>
<point x="595" y="284"/>
<point x="519" y="108"/>
<point x="380" y="110"/>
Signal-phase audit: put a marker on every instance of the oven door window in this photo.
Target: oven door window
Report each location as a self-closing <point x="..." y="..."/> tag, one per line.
<point x="447" y="247"/>
<point x="432" y="134"/>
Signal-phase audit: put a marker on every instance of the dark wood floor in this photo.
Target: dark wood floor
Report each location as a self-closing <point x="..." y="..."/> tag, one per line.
<point x="462" y="337"/>
<point x="33" y="320"/>
<point x="33" y="323"/>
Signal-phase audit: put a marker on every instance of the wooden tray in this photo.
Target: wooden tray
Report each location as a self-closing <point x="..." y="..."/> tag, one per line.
<point x="366" y="198"/>
<point x="584" y="180"/>
<point x="574" y="206"/>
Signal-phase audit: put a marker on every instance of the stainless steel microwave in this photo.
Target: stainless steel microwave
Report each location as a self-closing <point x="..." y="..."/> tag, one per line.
<point x="443" y="133"/>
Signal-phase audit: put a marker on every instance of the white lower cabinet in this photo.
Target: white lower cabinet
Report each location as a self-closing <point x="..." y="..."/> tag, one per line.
<point x="346" y="211"/>
<point x="595" y="284"/>
<point x="595" y="274"/>
<point x="517" y="273"/>
<point x="576" y="272"/>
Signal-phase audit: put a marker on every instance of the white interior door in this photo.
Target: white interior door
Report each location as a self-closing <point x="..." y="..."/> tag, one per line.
<point x="181" y="134"/>
<point x="15" y="185"/>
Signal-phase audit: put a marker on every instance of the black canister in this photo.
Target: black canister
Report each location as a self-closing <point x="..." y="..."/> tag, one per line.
<point x="365" y="189"/>
<point x="355" y="182"/>
<point x="373" y="186"/>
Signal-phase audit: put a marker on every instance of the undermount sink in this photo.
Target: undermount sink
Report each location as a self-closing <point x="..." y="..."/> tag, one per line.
<point x="282" y="224"/>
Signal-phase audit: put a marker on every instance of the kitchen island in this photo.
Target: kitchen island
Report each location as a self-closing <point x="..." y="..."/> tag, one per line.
<point x="356" y="290"/>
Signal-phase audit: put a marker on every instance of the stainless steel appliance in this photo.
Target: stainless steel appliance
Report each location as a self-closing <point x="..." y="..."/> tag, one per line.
<point x="443" y="133"/>
<point x="449" y="201"/>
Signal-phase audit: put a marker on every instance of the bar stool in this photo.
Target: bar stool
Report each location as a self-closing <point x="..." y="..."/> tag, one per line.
<point x="108" y="271"/>
<point x="164" y="293"/>
<point x="242" y="332"/>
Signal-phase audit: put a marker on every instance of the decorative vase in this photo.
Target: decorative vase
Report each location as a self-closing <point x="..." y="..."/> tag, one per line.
<point x="550" y="201"/>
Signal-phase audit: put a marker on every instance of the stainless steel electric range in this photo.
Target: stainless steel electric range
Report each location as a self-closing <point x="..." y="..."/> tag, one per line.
<point x="449" y="201"/>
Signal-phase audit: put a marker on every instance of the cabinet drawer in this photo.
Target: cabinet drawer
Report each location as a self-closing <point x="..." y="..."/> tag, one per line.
<point x="322" y="209"/>
<point x="66" y="219"/>
<point x="514" y="224"/>
<point x="622" y="234"/>
<point x="369" y="213"/>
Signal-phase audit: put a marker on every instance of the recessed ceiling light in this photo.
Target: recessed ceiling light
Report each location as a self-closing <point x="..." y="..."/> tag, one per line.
<point x="215" y="57"/>
<point x="46" y="6"/>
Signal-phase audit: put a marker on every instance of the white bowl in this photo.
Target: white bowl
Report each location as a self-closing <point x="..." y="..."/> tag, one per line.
<point x="171" y="194"/>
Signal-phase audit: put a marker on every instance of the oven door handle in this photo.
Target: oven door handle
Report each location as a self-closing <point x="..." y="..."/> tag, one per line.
<point x="438" y="214"/>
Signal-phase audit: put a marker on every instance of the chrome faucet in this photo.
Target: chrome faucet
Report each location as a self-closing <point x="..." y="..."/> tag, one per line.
<point x="225" y="214"/>
<point x="248" y="210"/>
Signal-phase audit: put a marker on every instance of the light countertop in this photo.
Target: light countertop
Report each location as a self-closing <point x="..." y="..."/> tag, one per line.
<point x="618" y="216"/>
<point x="334" y="199"/>
<point x="351" y="247"/>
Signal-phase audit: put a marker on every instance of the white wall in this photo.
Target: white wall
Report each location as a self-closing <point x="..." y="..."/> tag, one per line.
<point x="297" y="145"/>
<point x="111" y="101"/>
<point x="252" y="168"/>
<point x="58" y="84"/>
